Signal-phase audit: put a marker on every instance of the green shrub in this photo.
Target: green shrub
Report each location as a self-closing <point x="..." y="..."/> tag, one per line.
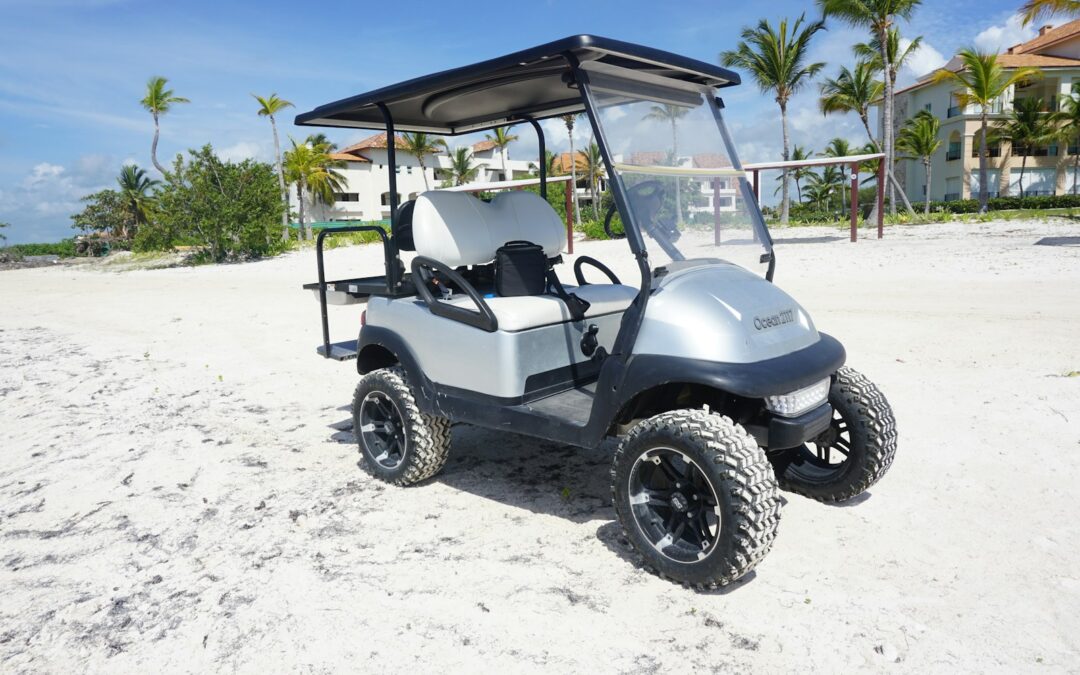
<point x="64" y="249"/>
<point x="594" y="229"/>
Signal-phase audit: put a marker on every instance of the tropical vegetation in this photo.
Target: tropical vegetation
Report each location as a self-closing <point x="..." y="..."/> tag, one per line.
<point x="777" y="60"/>
<point x="918" y="139"/>
<point x="981" y="82"/>
<point x="315" y="173"/>
<point x="1026" y="127"/>
<point x="158" y="101"/>
<point x="270" y="106"/>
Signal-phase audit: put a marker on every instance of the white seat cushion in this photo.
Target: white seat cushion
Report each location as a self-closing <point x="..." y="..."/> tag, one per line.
<point x="458" y="229"/>
<point x="532" y="311"/>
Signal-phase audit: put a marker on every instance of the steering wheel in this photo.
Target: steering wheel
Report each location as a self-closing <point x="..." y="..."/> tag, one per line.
<point x="595" y="263"/>
<point x="646" y="199"/>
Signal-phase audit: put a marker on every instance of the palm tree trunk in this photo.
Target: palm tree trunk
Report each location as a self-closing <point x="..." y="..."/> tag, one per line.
<point x="153" y="146"/>
<point x="866" y="125"/>
<point x="1076" y="166"/>
<point x="675" y="159"/>
<point x="785" y="200"/>
<point x="926" y="199"/>
<point x="281" y="182"/>
<point x="423" y="171"/>
<point x="1023" y="168"/>
<point x="301" y="187"/>
<point x="887" y="109"/>
<point x="843" y="189"/>
<point x="502" y="153"/>
<point x="984" y="194"/>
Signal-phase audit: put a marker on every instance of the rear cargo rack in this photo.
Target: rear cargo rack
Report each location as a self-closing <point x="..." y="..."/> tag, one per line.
<point x="350" y="291"/>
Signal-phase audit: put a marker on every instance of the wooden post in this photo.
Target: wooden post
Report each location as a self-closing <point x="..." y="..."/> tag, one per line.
<point x="716" y="210"/>
<point x="569" y="217"/>
<point x="854" y="200"/>
<point x="757" y="187"/>
<point x="881" y="198"/>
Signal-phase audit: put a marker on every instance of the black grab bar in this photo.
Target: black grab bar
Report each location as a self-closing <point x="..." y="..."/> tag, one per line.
<point x="391" y="270"/>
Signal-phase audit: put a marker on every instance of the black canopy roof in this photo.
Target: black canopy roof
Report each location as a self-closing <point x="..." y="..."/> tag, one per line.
<point x="505" y="89"/>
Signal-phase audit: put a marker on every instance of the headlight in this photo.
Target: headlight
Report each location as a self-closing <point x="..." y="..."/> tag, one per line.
<point x="800" y="401"/>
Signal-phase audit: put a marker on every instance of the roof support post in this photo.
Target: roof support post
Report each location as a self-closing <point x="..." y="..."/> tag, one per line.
<point x="392" y="279"/>
<point x="880" y="197"/>
<point x="542" y="162"/>
<point x="570" y="187"/>
<point x="716" y="210"/>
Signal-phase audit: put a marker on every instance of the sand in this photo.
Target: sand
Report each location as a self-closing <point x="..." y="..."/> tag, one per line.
<point x="180" y="490"/>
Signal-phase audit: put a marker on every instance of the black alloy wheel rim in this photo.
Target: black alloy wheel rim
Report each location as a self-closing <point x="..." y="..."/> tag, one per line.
<point x="382" y="430"/>
<point x="674" y="505"/>
<point x="830" y="450"/>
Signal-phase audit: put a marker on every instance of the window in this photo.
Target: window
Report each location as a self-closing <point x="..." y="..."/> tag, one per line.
<point x="346" y="196"/>
<point x="926" y="107"/>
<point x="724" y="202"/>
<point x="408" y="170"/>
<point x="385" y="198"/>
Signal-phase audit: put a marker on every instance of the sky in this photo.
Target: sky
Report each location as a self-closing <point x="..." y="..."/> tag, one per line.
<point x="72" y="73"/>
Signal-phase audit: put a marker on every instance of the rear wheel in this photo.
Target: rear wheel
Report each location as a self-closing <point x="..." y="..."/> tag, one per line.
<point x="696" y="497"/>
<point x="854" y="452"/>
<point x="400" y="444"/>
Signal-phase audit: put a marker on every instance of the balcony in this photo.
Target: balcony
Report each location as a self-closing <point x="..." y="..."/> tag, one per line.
<point x="953" y="154"/>
<point x="952" y="196"/>
<point x="1045" y="151"/>
<point x="955" y="111"/>
<point x="991" y="151"/>
<point x="1036" y="193"/>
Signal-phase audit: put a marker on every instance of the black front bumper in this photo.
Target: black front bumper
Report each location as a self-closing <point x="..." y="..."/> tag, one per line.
<point x="782" y="433"/>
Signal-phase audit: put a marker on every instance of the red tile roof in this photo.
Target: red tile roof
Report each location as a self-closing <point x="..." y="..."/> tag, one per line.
<point x="378" y="141"/>
<point x="1047" y="37"/>
<point x="710" y="160"/>
<point x="482" y="146"/>
<point x="349" y="157"/>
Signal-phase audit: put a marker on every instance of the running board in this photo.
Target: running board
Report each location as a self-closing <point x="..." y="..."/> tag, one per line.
<point x="339" y="351"/>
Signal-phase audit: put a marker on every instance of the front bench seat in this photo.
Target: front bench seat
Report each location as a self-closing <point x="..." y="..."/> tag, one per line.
<point x="458" y="229"/>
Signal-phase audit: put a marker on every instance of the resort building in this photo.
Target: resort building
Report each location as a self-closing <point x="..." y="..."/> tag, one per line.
<point x="955" y="167"/>
<point x="366" y="173"/>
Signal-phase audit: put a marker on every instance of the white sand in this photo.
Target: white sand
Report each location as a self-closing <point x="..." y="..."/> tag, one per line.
<point x="180" y="492"/>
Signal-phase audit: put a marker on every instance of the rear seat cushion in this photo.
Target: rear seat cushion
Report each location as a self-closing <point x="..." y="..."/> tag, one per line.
<point x="458" y="229"/>
<point x="533" y="311"/>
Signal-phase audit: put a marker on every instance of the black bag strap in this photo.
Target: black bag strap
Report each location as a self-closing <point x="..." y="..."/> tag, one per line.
<point x="576" y="305"/>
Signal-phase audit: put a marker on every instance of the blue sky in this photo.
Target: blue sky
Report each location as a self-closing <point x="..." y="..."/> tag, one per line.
<point x="72" y="72"/>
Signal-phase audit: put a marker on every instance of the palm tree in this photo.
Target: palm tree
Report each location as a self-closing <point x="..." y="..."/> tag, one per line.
<point x="551" y="166"/>
<point x="420" y="145"/>
<point x="798" y="153"/>
<point x="135" y="189"/>
<point x="157" y="102"/>
<point x="776" y="59"/>
<point x="1026" y="127"/>
<point x="1034" y="10"/>
<point x="502" y="138"/>
<point x="853" y="91"/>
<point x="880" y="16"/>
<point x="569" y="121"/>
<point x="982" y="81"/>
<point x="672" y="114"/>
<point x="820" y="187"/>
<point x="840" y="147"/>
<point x="593" y="163"/>
<point x="315" y="173"/>
<point x="2" y="226"/>
<point x="268" y="107"/>
<point x="462" y="169"/>
<point x="320" y="139"/>
<point x="918" y="139"/>
<point x="1067" y="120"/>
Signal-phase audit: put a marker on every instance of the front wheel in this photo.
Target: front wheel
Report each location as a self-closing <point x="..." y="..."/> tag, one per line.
<point x="853" y="453"/>
<point x="696" y="497"/>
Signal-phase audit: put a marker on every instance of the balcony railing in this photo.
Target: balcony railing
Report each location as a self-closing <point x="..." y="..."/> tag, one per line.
<point x="1035" y="193"/>
<point x="992" y="151"/>
<point x="952" y="196"/>
<point x="955" y="111"/>
<point x="1050" y="104"/>
<point x="989" y="195"/>
<point x="952" y="155"/>
<point x="1024" y="151"/>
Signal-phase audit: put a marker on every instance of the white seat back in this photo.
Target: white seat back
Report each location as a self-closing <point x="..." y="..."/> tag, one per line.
<point x="458" y="229"/>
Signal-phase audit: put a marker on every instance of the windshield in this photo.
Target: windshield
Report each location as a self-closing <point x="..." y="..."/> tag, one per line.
<point x="678" y="170"/>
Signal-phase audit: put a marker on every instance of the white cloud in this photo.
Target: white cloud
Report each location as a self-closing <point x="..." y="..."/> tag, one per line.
<point x="238" y="152"/>
<point x="1000" y="37"/>
<point x="54" y="191"/>
<point x="923" y="60"/>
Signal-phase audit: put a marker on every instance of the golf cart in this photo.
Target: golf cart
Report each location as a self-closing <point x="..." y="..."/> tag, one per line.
<point x="716" y="384"/>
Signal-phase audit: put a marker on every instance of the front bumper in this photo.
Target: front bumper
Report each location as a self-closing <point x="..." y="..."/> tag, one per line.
<point x="781" y="433"/>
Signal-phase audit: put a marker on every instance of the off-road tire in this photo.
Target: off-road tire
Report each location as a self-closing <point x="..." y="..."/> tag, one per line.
<point x="427" y="436"/>
<point x="742" y="480"/>
<point x="872" y="437"/>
